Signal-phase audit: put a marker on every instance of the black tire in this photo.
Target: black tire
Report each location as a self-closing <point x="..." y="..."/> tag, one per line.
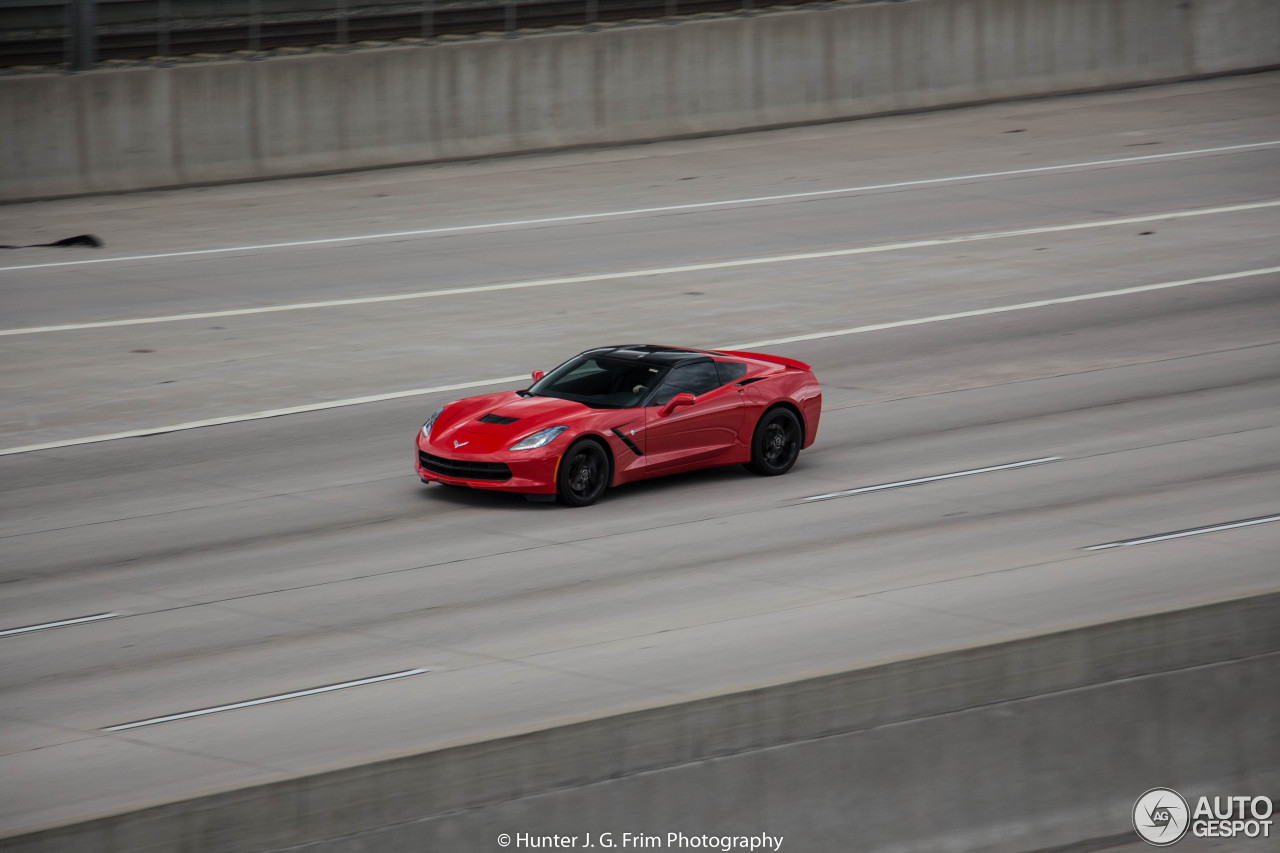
<point x="775" y="443"/>
<point x="585" y="472"/>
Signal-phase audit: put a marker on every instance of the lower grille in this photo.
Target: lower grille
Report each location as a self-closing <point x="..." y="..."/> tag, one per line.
<point x="463" y="469"/>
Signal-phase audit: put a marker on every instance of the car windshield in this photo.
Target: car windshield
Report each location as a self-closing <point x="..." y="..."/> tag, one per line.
<point x="599" y="382"/>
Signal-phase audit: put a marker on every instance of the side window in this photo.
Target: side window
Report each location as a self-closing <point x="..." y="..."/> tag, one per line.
<point x="692" y="379"/>
<point x="730" y="371"/>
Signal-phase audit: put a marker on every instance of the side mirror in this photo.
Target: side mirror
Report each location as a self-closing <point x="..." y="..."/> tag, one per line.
<point x="538" y="374"/>
<point x="676" y="402"/>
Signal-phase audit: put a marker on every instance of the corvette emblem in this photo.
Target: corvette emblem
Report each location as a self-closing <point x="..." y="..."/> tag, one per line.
<point x="458" y="444"/>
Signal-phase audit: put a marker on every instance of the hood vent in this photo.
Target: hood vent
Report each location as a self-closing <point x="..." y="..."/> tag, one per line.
<point x="491" y="418"/>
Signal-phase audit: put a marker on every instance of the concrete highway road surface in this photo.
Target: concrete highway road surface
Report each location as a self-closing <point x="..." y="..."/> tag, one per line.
<point x="1041" y="327"/>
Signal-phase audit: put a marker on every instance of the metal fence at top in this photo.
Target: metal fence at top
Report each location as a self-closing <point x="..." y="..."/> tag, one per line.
<point x="79" y="34"/>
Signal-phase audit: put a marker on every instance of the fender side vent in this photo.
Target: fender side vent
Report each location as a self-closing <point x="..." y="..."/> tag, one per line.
<point x="626" y="439"/>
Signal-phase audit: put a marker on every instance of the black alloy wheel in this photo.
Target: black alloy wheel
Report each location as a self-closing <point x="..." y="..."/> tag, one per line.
<point x="776" y="443"/>
<point x="584" y="474"/>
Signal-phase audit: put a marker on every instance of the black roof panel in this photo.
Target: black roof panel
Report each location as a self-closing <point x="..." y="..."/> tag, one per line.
<point x="651" y="353"/>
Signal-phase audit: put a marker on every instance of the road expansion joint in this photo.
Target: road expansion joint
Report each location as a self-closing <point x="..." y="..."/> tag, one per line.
<point x="279" y="772"/>
<point x="877" y="598"/>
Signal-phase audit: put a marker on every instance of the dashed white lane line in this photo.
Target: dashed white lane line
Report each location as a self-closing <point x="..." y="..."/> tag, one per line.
<point x="1180" y="534"/>
<point x="329" y="688"/>
<point x="460" y="386"/>
<point x="1021" y="306"/>
<point x="653" y="271"/>
<point x="901" y="483"/>
<point x="669" y="208"/>
<point x="478" y="383"/>
<point x="256" y="416"/>
<point x="79" y="620"/>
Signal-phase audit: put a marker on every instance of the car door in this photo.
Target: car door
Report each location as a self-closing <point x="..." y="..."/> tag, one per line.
<point x="698" y="432"/>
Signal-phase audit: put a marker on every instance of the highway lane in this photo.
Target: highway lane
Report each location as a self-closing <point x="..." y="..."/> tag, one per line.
<point x="526" y="614"/>
<point x="145" y="376"/>
<point x="259" y="558"/>
<point x="260" y="278"/>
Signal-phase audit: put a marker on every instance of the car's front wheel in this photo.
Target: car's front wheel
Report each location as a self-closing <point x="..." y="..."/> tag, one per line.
<point x="584" y="474"/>
<point x="775" y="443"/>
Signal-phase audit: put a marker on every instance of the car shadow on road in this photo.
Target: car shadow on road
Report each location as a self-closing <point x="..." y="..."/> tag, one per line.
<point x="668" y="485"/>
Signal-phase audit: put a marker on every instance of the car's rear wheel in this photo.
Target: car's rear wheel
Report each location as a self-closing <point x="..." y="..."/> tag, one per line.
<point x="584" y="474"/>
<point x="775" y="443"/>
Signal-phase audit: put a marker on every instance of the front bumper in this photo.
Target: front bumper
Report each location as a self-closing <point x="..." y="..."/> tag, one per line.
<point x="526" y="471"/>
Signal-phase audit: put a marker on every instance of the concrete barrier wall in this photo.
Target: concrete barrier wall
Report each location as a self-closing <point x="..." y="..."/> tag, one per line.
<point x="1027" y="745"/>
<point x="1230" y="34"/>
<point x="132" y="128"/>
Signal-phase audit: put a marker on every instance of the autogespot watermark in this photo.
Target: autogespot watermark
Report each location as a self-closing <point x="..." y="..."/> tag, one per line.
<point x="643" y="841"/>
<point x="1162" y="817"/>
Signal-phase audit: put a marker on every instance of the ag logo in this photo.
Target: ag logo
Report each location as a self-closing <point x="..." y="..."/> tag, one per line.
<point x="1161" y="817"/>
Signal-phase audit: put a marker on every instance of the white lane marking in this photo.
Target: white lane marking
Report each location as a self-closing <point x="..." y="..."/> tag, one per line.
<point x="418" y="392"/>
<point x="394" y="395"/>
<point x="684" y="268"/>
<point x="847" y="492"/>
<point x="670" y="208"/>
<point x="257" y="416"/>
<point x="1001" y="309"/>
<point x="1184" y="533"/>
<point x="265" y="700"/>
<point x="62" y="622"/>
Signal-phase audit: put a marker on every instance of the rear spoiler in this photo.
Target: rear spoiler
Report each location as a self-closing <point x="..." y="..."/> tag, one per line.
<point x="776" y="359"/>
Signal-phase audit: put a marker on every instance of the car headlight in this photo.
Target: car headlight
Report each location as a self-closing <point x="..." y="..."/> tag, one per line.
<point x="539" y="439"/>
<point x="426" y="428"/>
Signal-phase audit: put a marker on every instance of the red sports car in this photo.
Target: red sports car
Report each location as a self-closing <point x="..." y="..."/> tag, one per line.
<point x="616" y="414"/>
